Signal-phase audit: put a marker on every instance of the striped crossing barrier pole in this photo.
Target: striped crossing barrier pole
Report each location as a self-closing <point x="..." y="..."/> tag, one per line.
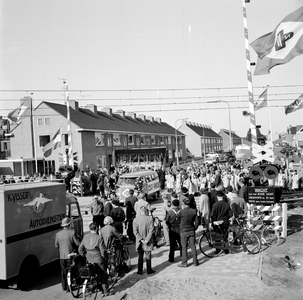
<point x="249" y="80"/>
<point x="69" y="132"/>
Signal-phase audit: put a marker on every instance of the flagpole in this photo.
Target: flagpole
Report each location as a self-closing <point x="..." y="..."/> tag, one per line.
<point x="33" y="134"/>
<point x="69" y="132"/>
<point x="253" y="129"/>
<point x="269" y="115"/>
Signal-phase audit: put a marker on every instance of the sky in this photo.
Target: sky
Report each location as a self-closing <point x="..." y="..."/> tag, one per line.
<point x="164" y="59"/>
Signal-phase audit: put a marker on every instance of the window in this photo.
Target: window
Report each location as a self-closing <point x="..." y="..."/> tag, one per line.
<point x="131" y="140"/>
<point x="40" y="121"/>
<point x="161" y="140"/>
<point x="99" y="139"/>
<point x="117" y="140"/>
<point x="109" y="141"/>
<point x="138" y="141"/>
<point x="169" y="140"/>
<point x="44" y="140"/>
<point x="65" y="139"/>
<point x="47" y="121"/>
<point x="153" y="140"/>
<point x="125" y="141"/>
<point x="142" y="140"/>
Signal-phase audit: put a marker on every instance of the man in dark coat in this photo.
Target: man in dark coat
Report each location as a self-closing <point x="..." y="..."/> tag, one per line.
<point x="118" y="215"/>
<point x="185" y="195"/>
<point x="173" y="224"/>
<point x="161" y="174"/>
<point x="67" y="242"/>
<point x="221" y="211"/>
<point x="143" y="230"/>
<point x="188" y="225"/>
<point x="130" y="213"/>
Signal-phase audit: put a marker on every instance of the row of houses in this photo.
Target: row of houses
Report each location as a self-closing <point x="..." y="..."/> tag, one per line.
<point x="102" y="138"/>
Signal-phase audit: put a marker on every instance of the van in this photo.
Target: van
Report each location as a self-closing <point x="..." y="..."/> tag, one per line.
<point x="30" y="217"/>
<point x="127" y="181"/>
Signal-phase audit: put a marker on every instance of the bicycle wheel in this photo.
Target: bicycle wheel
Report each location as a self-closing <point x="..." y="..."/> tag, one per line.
<point x="270" y="236"/>
<point x="73" y="282"/>
<point x="251" y="241"/>
<point x="112" y="274"/>
<point x="206" y="247"/>
<point x="90" y="288"/>
<point x="125" y="258"/>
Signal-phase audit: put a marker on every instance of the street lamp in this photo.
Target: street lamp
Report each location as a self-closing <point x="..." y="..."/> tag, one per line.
<point x="218" y="101"/>
<point x="176" y="137"/>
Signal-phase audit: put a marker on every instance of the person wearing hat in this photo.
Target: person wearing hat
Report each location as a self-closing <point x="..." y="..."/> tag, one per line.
<point x="188" y="225"/>
<point x="173" y="224"/>
<point x="93" y="248"/>
<point x="185" y="195"/>
<point x="118" y="215"/>
<point x="97" y="211"/>
<point x="221" y="211"/>
<point x="67" y="242"/>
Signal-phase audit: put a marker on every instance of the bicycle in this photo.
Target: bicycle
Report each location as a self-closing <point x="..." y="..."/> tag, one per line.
<point x="118" y="259"/>
<point x="82" y="277"/>
<point x="74" y="280"/>
<point x="157" y="227"/>
<point x="213" y="242"/>
<point x="269" y="235"/>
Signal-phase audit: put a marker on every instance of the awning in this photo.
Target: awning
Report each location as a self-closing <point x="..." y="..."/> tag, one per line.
<point x="141" y="151"/>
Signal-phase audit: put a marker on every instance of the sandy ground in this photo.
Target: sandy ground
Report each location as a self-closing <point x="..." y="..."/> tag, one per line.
<point x="281" y="276"/>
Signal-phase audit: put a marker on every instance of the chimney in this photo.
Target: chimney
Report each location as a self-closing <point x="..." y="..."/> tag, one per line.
<point x="150" y="118"/>
<point x="142" y="117"/>
<point x="132" y="115"/>
<point x="74" y="104"/>
<point x="158" y="120"/>
<point x="92" y="108"/>
<point x="108" y="110"/>
<point x="121" y="113"/>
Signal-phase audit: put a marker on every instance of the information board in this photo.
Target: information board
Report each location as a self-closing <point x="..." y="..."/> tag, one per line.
<point x="264" y="195"/>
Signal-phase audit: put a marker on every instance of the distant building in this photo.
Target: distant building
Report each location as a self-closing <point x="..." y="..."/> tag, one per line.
<point x="235" y="139"/>
<point x="200" y="138"/>
<point x="294" y="136"/>
<point x="100" y="138"/>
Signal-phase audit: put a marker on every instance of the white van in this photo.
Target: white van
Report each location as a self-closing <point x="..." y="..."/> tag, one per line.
<point x="127" y="181"/>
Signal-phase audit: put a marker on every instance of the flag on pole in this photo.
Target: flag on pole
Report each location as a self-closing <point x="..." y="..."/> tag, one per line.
<point x="21" y="112"/>
<point x="297" y="104"/>
<point x="258" y="104"/>
<point x="53" y="144"/>
<point x="282" y="45"/>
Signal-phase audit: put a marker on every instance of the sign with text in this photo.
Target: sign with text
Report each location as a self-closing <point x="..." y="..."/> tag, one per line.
<point x="264" y="195"/>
